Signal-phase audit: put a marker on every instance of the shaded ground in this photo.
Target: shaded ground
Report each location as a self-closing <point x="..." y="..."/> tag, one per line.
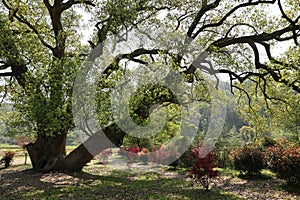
<point x="104" y="182"/>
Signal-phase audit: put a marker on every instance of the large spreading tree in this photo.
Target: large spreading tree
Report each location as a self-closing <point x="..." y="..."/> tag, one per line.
<point x="41" y="52"/>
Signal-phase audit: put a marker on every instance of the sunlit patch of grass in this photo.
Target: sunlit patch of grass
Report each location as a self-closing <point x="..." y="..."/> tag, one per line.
<point x="33" y="193"/>
<point x="23" y="166"/>
<point x="268" y="173"/>
<point x="148" y="176"/>
<point x="70" y="148"/>
<point x="179" y="170"/>
<point x="227" y="172"/>
<point x="9" y="146"/>
<point x="15" y="148"/>
<point x="264" y="175"/>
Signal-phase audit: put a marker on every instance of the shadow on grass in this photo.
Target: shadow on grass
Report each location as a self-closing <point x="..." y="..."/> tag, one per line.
<point x="14" y="184"/>
<point x="29" y="184"/>
<point x="293" y="189"/>
<point x="254" y="176"/>
<point x="148" y="186"/>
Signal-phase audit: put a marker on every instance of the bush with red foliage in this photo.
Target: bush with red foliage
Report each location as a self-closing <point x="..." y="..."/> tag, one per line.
<point x="203" y="167"/>
<point x="159" y="154"/>
<point x="7" y="158"/>
<point x="285" y="162"/>
<point x="249" y="159"/>
<point x="135" y="149"/>
<point x="162" y="156"/>
<point x="130" y="152"/>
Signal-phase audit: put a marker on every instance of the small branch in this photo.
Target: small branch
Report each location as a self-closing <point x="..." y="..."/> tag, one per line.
<point x="129" y="56"/>
<point x="4" y="66"/>
<point x="280" y="39"/>
<point x="200" y="14"/>
<point x="244" y="91"/>
<point x="223" y="42"/>
<point x="6" y="74"/>
<point x="6" y="91"/>
<point x="250" y="3"/>
<point x="240" y="24"/>
<point x="293" y="24"/>
<point x="284" y="15"/>
<point x="181" y="18"/>
<point x="47" y="4"/>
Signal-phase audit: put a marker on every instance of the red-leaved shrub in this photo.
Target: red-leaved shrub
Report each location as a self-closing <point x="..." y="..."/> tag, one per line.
<point x="7" y="158"/>
<point x="161" y="155"/>
<point x="203" y="168"/>
<point x="285" y="162"/>
<point x="249" y="159"/>
<point x="130" y="152"/>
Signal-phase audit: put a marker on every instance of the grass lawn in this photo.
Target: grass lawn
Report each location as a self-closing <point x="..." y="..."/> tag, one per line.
<point x="102" y="182"/>
<point x="98" y="181"/>
<point x="9" y="147"/>
<point x="19" y="151"/>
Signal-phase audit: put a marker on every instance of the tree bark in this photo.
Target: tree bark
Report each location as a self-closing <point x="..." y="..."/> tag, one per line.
<point x="48" y="153"/>
<point x="85" y="152"/>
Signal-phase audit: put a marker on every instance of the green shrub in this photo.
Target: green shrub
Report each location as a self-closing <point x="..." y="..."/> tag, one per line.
<point x="185" y="154"/>
<point x="248" y="159"/>
<point x="266" y="142"/>
<point x="185" y="159"/>
<point x="224" y="157"/>
<point x="285" y="162"/>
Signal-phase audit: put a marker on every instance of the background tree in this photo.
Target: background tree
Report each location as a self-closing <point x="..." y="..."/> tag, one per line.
<point x="273" y="118"/>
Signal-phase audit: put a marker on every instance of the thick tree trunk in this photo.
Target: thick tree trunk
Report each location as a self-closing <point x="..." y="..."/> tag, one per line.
<point x="85" y="152"/>
<point x="49" y="154"/>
